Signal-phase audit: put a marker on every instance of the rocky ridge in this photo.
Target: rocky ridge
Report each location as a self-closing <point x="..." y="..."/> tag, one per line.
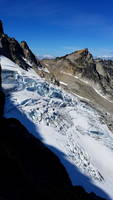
<point x="20" y="53"/>
<point x="81" y="65"/>
<point x="80" y="74"/>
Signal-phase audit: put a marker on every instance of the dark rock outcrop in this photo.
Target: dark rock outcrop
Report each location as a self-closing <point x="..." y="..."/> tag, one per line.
<point x="28" y="168"/>
<point x="1" y="28"/>
<point x="28" y="54"/>
<point x="20" y="53"/>
<point x="2" y="97"/>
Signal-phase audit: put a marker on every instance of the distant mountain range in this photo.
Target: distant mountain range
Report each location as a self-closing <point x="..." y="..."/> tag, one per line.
<point x="47" y="56"/>
<point x="105" y="57"/>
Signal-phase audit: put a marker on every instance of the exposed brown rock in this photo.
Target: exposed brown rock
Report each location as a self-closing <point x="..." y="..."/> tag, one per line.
<point x="28" y="54"/>
<point x="81" y="65"/>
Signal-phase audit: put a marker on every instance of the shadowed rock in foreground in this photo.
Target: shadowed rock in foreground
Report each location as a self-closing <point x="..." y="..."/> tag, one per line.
<point x="29" y="170"/>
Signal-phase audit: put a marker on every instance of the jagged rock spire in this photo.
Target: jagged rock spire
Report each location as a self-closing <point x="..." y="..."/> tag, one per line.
<point x="1" y="28"/>
<point x="24" y="45"/>
<point x="28" y="53"/>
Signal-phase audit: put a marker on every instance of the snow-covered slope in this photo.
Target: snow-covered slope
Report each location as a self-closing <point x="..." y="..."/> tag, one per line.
<point x="70" y="128"/>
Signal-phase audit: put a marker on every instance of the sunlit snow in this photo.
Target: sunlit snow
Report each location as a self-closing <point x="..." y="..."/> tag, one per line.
<point x="69" y="127"/>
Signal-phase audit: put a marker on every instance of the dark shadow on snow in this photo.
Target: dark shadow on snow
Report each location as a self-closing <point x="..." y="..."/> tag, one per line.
<point x="81" y="179"/>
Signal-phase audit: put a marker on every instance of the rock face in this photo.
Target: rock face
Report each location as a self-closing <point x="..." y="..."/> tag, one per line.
<point x="79" y="70"/>
<point x="2" y="97"/>
<point x="28" y="54"/>
<point x="19" y="53"/>
<point x="1" y="28"/>
<point x="80" y="63"/>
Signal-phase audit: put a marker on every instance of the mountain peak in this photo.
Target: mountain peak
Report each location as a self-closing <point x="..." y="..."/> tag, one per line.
<point x="82" y="51"/>
<point x="1" y="28"/>
<point x="24" y="45"/>
<point x="82" y="55"/>
<point x="28" y="53"/>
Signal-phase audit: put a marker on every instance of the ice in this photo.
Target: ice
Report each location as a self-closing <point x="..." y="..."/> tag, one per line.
<point x="65" y="123"/>
<point x="56" y="94"/>
<point x="42" y="89"/>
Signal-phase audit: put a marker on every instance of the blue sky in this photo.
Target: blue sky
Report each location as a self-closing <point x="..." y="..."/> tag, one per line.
<point x="57" y="27"/>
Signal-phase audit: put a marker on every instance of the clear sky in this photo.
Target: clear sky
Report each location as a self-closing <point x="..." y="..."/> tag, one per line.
<point x="57" y="27"/>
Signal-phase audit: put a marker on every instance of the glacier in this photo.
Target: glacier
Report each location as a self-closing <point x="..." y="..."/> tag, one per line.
<point x="64" y="123"/>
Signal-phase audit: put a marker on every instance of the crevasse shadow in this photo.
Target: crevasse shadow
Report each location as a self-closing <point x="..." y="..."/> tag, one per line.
<point x="78" y="178"/>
